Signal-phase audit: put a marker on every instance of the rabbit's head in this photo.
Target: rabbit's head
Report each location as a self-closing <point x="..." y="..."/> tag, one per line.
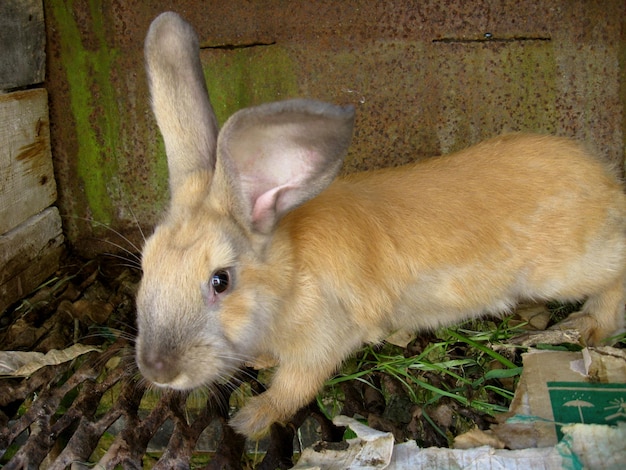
<point x="210" y="283"/>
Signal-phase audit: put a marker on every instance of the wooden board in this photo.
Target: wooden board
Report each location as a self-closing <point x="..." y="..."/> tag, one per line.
<point x="26" y="176"/>
<point x="22" y="42"/>
<point x="29" y="254"/>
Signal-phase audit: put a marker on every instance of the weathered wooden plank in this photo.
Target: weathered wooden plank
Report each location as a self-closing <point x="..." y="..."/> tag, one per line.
<point x="27" y="183"/>
<point x="22" y="42"/>
<point x="29" y="254"/>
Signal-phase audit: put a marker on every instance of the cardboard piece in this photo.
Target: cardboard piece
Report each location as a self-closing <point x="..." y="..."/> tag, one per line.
<point x="569" y="411"/>
<point x="559" y="388"/>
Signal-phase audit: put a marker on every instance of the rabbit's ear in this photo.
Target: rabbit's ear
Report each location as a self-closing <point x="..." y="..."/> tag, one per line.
<point x="279" y="155"/>
<point x="179" y="97"/>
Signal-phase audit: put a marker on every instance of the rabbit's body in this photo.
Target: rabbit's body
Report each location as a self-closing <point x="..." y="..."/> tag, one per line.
<point x="466" y="234"/>
<point x="256" y="260"/>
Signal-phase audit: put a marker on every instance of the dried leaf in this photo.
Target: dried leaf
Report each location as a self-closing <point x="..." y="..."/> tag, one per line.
<point x="477" y="438"/>
<point x="24" y="364"/>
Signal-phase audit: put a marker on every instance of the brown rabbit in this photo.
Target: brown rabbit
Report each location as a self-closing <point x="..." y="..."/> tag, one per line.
<point x="260" y="256"/>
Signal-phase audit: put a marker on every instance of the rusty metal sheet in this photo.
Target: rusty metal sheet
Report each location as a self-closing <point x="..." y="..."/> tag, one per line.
<point x="427" y="77"/>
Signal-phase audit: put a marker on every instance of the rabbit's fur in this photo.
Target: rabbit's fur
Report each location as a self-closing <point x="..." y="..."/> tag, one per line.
<point x="312" y="270"/>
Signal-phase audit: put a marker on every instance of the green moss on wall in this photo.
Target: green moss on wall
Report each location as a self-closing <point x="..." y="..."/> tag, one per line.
<point x="530" y="73"/>
<point x="93" y="104"/>
<point x="239" y="78"/>
<point x="494" y="87"/>
<point x="108" y="177"/>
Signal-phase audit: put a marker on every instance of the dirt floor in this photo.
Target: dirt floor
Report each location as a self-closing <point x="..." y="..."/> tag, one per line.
<point x="95" y="408"/>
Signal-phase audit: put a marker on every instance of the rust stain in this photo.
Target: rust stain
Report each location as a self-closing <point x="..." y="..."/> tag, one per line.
<point x="32" y="150"/>
<point x="36" y="148"/>
<point x="427" y="78"/>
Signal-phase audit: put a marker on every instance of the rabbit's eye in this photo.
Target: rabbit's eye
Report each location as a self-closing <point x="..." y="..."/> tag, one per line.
<point x="220" y="281"/>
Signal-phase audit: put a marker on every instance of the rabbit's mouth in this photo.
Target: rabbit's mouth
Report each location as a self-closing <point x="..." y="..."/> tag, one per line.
<point x="180" y="384"/>
<point x="184" y="380"/>
<point x="196" y="367"/>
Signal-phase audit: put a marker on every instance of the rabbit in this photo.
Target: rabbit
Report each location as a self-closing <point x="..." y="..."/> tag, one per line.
<point x="265" y="254"/>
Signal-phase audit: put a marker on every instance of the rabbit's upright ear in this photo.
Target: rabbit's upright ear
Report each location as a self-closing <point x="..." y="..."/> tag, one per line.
<point x="180" y="100"/>
<point x="278" y="155"/>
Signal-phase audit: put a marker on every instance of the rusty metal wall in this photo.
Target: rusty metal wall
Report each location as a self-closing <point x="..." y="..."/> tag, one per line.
<point x="427" y="77"/>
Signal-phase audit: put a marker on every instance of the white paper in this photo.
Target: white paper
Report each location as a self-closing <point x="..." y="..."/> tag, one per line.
<point x="585" y="446"/>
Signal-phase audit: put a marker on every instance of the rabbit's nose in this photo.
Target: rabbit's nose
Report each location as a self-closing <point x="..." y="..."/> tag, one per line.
<point x="159" y="368"/>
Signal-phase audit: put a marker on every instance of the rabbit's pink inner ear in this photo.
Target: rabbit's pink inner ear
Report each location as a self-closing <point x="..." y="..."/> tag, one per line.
<point x="281" y="185"/>
<point x="264" y="210"/>
<point x="279" y="155"/>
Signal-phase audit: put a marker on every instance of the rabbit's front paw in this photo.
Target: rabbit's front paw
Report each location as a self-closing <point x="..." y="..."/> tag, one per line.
<point x="255" y="418"/>
<point x="592" y="332"/>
